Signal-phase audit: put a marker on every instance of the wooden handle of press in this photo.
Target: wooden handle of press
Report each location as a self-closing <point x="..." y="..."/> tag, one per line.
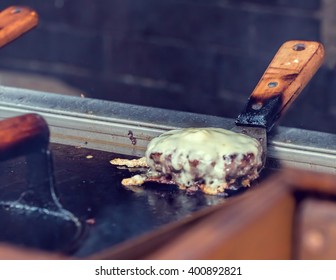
<point x="14" y="21"/>
<point x="291" y="69"/>
<point x="23" y="135"/>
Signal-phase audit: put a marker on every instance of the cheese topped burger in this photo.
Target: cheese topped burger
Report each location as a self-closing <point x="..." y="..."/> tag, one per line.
<point x="207" y="159"/>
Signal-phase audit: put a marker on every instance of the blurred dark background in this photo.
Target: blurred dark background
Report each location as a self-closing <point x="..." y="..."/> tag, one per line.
<point x="202" y="56"/>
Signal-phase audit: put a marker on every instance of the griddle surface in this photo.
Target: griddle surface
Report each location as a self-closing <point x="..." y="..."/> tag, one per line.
<point x="89" y="186"/>
<point x="91" y="189"/>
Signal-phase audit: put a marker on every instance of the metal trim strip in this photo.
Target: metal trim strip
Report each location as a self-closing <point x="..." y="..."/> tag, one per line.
<point x="105" y="125"/>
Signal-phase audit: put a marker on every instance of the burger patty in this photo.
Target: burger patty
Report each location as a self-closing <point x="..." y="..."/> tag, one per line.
<point x="207" y="159"/>
<point x="212" y="159"/>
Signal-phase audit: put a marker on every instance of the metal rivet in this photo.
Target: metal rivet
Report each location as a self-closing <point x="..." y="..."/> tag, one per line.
<point x="299" y="47"/>
<point x="16" y="11"/>
<point x="272" y="84"/>
<point x="257" y="106"/>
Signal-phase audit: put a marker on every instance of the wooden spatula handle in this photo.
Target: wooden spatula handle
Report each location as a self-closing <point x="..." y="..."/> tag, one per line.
<point x="23" y="135"/>
<point x="291" y="69"/>
<point x="15" y="21"/>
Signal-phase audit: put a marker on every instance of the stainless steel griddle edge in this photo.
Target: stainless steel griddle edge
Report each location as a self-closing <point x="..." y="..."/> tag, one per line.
<point x="127" y="129"/>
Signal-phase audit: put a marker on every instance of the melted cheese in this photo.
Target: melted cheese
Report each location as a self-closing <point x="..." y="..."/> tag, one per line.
<point x="136" y="180"/>
<point x="138" y="162"/>
<point x="209" y="147"/>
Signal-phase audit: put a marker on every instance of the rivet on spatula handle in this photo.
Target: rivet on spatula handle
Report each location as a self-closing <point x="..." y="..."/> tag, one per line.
<point x="23" y="135"/>
<point x="14" y="21"/>
<point x="288" y="73"/>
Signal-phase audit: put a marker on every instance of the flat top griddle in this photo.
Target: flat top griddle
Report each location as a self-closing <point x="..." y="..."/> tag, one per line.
<point x="89" y="186"/>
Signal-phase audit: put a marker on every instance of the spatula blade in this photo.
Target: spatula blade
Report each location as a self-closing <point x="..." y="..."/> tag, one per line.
<point x="258" y="133"/>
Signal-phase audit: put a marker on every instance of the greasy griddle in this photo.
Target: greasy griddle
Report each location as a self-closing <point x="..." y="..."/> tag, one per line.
<point x="89" y="186"/>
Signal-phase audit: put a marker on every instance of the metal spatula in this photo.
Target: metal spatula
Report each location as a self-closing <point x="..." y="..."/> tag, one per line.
<point x="291" y="69"/>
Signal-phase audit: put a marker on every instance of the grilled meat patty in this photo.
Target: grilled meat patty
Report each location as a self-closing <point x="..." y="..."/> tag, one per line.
<point x="210" y="159"/>
<point x="207" y="159"/>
